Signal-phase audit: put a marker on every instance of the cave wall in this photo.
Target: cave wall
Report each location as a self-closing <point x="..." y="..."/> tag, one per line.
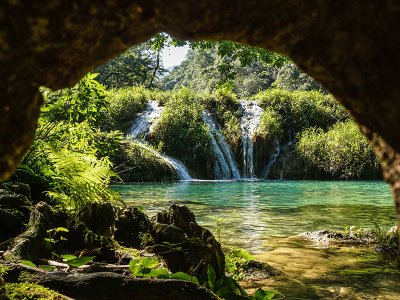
<point x="351" y="47"/>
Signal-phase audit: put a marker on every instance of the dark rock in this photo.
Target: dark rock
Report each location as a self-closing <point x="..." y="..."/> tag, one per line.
<point x="185" y="245"/>
<point x="169" y="233"/>
<point x="110" y="285"/>
<point x="133" y="228"/>
<point x="254" y="270"/>
<point x="11" y="224"/>
<point x="13" y="201"/>
<point x="18" y="188"/>
<point x="31" y="243"/>
<point x="178" y="215"/>
<point x="81" y="239"/>
<point x="99" y="217"/>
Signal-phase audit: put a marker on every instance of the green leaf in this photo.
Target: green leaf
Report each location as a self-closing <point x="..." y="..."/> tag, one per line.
<point x="68" y="257"/>
<point x="47" y="267"/>
<point x="260" y="294"/>
<point x="212" y="277"/>
<point x="149" y="262"/>
<point x="61" y="229"/>
<point x="28" y="263"/>
<point x="158" y="273"/>
<point x="135" y="267"/>
<point x="185" y="276"/>
<point x="80" y="261"/>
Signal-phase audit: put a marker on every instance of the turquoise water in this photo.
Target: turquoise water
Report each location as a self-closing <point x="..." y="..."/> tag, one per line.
<point x="264" y="217"/>
<point x="250" y="212"/>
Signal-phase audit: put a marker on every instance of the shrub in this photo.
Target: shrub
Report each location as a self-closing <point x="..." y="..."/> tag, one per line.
<point x="299" y="110"/>
<point x="342" y="151"/>
<point x="181" y="133"/>
<point x="124" y="104"/>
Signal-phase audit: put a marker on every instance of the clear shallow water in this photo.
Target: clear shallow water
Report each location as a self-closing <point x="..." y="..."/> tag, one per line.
<point x="264" y="217"/>
<point x="252" y="212"/>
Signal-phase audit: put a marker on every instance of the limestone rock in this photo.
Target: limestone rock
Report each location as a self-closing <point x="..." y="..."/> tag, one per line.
<point x="185" y="245"/>
<point x="133" y="228"/>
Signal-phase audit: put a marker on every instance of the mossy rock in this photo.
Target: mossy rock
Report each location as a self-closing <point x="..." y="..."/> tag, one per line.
<point x="28" y="291"/>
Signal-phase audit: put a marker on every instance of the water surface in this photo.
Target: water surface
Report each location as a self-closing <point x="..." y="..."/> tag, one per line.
<point x="264" y="217"/>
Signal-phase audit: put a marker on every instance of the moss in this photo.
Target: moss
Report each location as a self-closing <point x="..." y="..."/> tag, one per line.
<point x="28" y="290"/>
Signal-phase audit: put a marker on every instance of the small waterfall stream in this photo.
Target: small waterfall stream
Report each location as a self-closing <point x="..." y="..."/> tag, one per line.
<point x="143" y="125"/>
<point x="272" y="160"/>
<point x="225" y="166"/>
<point x="251" y="114"/>
<point x="145" y="120"/>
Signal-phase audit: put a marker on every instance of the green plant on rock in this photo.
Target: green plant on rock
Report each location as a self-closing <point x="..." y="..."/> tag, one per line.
<point x="235" y="258"/>
<point x="150" y="267"/>
<point x="54" y="235"/>
<point x="228" y="288"/>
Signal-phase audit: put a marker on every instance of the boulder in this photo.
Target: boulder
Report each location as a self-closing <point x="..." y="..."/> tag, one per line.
<point x="12" y="200"/>
<point x="98" y="217"/>
<point x="133" y="228"/>
<point x="185" y="245"/>
<point x="18" y="188"/>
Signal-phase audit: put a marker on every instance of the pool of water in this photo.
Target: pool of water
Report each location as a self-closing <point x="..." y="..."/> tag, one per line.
<point x="264" y="217"/>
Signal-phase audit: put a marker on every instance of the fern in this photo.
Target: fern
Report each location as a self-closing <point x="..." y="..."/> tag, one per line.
<point x="78" y="178"/>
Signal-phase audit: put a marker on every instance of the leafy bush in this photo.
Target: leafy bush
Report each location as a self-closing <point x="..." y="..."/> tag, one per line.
<point x="235" y="258"/>
<point x="270" y="124"/>
<point x="124" y="104"/>
<point x="150" y="267"/>
<point x="342" y="151"/>
<point x="181" y="133"/>
<point x="302" y="109"/>
<point x="64" y="156"/>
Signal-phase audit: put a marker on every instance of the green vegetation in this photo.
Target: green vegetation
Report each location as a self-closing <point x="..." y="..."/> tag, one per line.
<point x="123" y="105"/>
<point x="298" y="110"/>
<point x="30" y="291"/>
<point x="234" y="261"/>
<point x="223" y="103"/>
<point x="181" y="133"/>
<point x="342" y="151"/>
<point x="64" y="160"/>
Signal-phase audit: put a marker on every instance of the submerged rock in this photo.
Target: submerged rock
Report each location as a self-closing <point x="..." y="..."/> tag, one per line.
<point x="254" y="270"/>
<point x="185" y="245"/>
<point x="354" y="237"/>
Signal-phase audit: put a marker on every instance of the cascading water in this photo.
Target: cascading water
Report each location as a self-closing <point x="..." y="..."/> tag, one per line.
<point x="142" y="126"/>
<point x="273" y="159"/>
<point x="144" y="120"/>
<point x="175" y="164"/>
<point x="251" y="115"/>
<point x="225" y="166"/>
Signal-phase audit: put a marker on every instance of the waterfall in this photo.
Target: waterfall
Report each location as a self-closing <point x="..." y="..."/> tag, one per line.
<point x="175" y="164"/>
<point x="273" y="159"/>
<point x="225" y="166"/>
<point x="145" y="120"/>
<point x="251" y="114"/>
<point x="143" y="125"/>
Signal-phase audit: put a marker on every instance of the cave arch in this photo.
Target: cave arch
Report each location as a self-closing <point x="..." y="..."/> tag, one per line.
<point x="350" y="47"/>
